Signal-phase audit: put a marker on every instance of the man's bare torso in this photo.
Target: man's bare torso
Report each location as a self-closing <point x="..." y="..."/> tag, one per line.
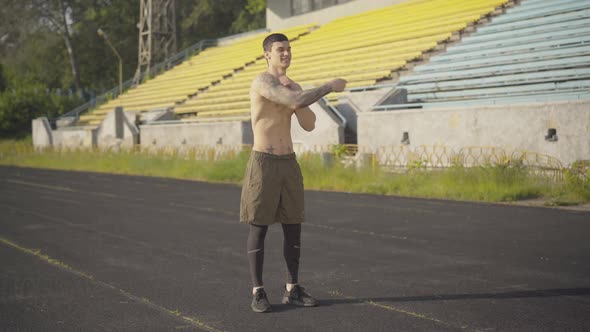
<point x="271" y="122"/>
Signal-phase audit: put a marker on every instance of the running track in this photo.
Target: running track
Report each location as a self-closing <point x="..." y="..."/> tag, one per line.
<point x="97" y="252"/>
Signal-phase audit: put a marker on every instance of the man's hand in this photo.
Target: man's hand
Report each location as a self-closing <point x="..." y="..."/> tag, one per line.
<point x="337" y="85"/>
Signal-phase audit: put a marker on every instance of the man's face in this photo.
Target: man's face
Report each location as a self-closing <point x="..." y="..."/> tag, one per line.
<point x="279" y="55"/>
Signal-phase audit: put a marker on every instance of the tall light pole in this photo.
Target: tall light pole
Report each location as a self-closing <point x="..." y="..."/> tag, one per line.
<point x="157" y="35"/>
<point x="106" y="38"/>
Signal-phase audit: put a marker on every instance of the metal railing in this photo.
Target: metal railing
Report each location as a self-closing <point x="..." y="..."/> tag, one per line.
<point x="334" y="110"/>
<point x="402" y="158"/>
<point x="371" y="87"/>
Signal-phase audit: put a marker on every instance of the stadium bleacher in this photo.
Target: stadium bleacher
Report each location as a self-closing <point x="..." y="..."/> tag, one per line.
<point x="362" y="49"/>
<point x="198" y="73"/>
<point x="538" y="51"/>
<point x="456" y="57"/>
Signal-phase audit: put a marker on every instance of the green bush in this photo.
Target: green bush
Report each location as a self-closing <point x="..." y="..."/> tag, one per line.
<point x="19" y="105"/>
<point x="577" y="184"/>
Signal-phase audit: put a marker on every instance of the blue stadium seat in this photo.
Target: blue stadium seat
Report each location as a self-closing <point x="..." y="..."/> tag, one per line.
<point x="496" y="60"/>
<point x="525" y="99"/>
<point x="582" y="24"/>
<point x="546" y="36"/>
<point x="537" y="51"/>
<point x="581" y="61"/>
<point x="525" y="12"/>
<point x="502" y="91"/>
<point x="539" y="21"/>
<point x="500" y="80"/>
<point x="553" y="44"/>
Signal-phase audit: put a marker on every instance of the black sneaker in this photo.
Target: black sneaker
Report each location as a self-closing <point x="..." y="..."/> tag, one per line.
<point x="260" y="301"/>
<point x="297" y="296"/>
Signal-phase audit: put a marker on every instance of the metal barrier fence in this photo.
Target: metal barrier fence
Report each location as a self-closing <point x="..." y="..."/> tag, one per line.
<point x="199" y="152"/>
<point x="403" y="157"/>
<point x="390" y="158"/>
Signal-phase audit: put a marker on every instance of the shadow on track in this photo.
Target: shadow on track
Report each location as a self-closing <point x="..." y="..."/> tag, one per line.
<point x="443" y="297"/>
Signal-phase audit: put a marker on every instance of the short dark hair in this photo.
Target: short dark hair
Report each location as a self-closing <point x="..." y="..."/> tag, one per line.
<point x="270" y="39"/>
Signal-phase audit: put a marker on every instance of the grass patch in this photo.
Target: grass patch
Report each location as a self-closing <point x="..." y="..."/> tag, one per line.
<point x="575" y="188"/>
<point x="492" y="183"/>
<point x="21" y="153"/>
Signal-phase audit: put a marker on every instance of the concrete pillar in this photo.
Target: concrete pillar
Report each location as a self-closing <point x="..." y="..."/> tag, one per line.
<point x="119" y="121"/>
<point x="42" y="136"/>
<point x="118" y="130"/>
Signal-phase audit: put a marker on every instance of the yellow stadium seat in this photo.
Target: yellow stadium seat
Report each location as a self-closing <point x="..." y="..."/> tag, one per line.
<point x="194" y="75"/>
<point x="363" y="49"/>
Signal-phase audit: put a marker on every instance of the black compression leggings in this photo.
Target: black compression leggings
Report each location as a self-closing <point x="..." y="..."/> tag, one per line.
<point x="291" y="251"/>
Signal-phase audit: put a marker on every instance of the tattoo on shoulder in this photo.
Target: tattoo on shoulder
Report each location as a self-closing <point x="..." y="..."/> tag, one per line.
<point x="271" y="86"/>
<point x="268" y="79"/>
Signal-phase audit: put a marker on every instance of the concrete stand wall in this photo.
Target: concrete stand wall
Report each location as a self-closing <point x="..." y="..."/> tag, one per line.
<point x="356" y="102"/>
<point x="74" y="137"/>
<point x="118" y="130"/>
<point x="328" y="130"/>
<point x="192" y="134"/>
<point x="42" y="137"/>
<point x="513" y="127"/>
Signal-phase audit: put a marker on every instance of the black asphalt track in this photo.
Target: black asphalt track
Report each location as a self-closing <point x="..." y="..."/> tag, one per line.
<point x="98" y="252"/>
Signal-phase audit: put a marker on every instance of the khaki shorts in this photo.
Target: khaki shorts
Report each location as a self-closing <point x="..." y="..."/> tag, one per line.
<point x="272" y="190"/>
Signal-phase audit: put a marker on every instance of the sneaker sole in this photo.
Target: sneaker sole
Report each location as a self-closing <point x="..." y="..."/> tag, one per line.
<point x="298" y="304"/>
<point x="261" y="311"/>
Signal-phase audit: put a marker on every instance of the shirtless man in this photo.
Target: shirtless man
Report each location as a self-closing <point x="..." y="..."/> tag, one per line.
<point x="273" y="184"/>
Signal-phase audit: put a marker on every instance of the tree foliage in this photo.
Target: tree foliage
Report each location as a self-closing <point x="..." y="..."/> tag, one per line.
<point x="52" y="45"/>
<point x="202" y="19"/>
<point x="23" y="103"/>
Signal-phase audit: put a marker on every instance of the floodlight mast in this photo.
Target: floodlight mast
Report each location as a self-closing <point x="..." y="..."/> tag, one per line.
<point x="157" y="34"/>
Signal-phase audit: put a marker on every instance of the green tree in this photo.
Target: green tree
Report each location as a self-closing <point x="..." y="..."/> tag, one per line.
<point x="203" y="19"/>
<point x="24" y="101"/>
<point x="252" y="17"/>
<point x="55" y="16"/>
<point x="99" y="69"/>
<point x="40" y="59"/>
<point x="52" y="45"/>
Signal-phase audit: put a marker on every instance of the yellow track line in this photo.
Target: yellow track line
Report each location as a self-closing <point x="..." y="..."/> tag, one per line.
<point x="398" y="310"/>
<point x="175" y="313"/>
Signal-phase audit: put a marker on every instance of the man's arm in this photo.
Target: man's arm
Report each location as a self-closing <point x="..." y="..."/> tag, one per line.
<point x="271" y="88"/>
<point x="305" y="116"/>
